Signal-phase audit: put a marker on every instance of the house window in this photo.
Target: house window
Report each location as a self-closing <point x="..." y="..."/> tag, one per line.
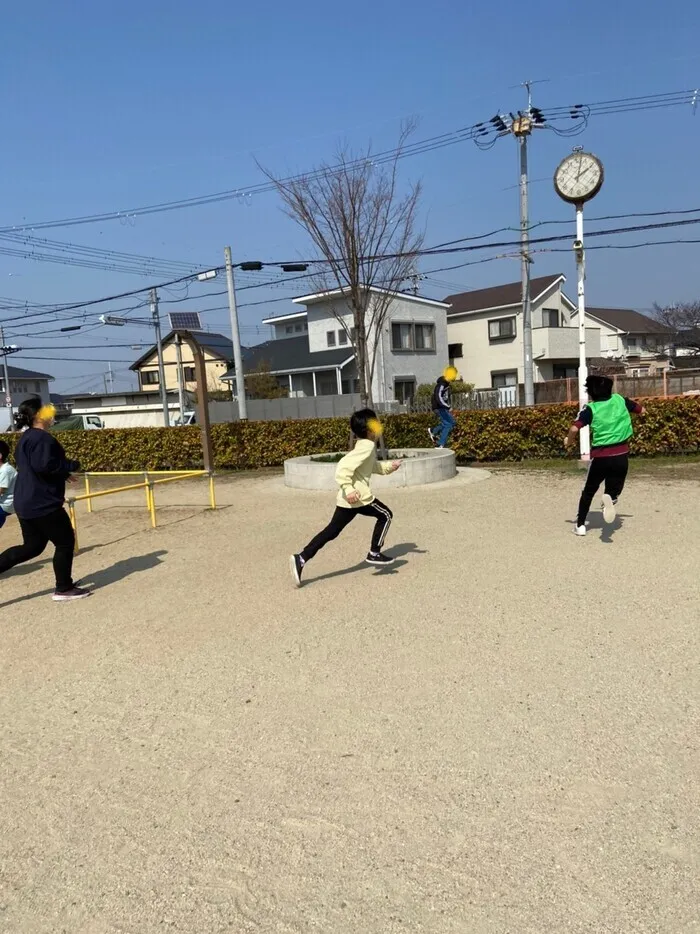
<point x="297" y="329"/>
<point x="550" y="317"/>
<point x="150" y="378"/>
<point x="632" y="342"/>
<point x="289" y="329"/>
<point x="408" y="337"/>
<point x="404" y="390"/>
<point x="330" y="338"/>
<point x="562" y="371"/>
<point x="502" y="329"/>
<point x="190" y="374"/>
<point x="454" y="351"/>
<point x="502" y="380"/>
<point x="342" y="336"/>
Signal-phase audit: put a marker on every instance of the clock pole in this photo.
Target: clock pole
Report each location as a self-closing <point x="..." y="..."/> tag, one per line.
<point x="585" y="433"/>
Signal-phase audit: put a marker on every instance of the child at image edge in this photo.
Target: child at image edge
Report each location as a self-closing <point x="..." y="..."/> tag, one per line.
<point x="355" y="497"/>
<point x="608" y="415"/>
<point x="8" y="476"/>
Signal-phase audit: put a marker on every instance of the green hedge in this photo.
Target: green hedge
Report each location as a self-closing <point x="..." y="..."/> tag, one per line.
<point x="671" y="426"/>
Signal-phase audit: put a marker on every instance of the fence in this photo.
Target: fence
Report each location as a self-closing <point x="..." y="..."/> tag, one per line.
<point x="674" y="383"/>
<point x="148" y="484"/>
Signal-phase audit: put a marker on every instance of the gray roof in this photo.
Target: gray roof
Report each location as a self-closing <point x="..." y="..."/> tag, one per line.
<point x="290" y="353"/>
<point x="629" y="320"/>
<point x="215" y="344"/>
<point x="498" y="296"/>
<point x="17" y="372"/>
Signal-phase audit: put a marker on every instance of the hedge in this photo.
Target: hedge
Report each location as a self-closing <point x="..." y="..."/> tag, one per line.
<point x="671" y="426"/>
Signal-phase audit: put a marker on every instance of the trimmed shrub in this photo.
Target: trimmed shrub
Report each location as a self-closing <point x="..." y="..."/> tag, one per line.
<point x="671" y="426"/>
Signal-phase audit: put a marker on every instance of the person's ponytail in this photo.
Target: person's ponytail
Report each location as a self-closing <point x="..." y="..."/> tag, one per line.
<point x="26" y="413"/>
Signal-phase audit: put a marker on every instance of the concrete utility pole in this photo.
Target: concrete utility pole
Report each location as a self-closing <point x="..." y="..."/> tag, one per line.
<point x="181" y="378"/>
<point x="155" y="314"/>
<point x="6" y="379"/>
<point x="521" y="129"/>
<point x="236" y="338"/>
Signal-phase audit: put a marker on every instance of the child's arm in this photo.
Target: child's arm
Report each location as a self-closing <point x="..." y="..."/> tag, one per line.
<point x="634" y="407"/>
<point x="585" y="417"/>
<point x="345" y="471"/>
<point x="384" y="467"/>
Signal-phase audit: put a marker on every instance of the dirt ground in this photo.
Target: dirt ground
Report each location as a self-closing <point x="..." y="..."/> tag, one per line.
<point x="497" y="734"/>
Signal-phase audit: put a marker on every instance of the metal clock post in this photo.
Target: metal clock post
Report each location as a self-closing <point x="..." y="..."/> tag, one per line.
<point x="579" y="178"/>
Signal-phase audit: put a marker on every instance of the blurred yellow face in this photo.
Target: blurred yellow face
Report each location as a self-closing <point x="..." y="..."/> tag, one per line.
<point x="450" y="374"/>
<point x="375" y="428"/>
<point x="47" y="414"/>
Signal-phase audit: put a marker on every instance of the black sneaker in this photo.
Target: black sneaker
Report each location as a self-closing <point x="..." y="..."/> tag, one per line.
<point x="380" y="560"/>
<point x="75" y="593"/>
<point x="296" y="566"/>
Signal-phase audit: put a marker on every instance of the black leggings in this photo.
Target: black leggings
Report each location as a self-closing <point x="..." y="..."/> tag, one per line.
<point x="342" y="517"/>
<point x="610" y="470"/>
<point x="36" y="534"/>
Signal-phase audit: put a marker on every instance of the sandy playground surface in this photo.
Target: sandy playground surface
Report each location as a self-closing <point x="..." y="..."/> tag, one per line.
<point x="497" y="734"/>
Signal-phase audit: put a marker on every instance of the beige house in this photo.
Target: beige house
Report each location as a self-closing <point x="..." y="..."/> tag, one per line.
<point x="218" y="353"/>
<point x="642" y="345"/>
<point x="485" y="334"/>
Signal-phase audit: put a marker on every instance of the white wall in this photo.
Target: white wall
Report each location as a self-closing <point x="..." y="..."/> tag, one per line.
<point x="424" y="367"/>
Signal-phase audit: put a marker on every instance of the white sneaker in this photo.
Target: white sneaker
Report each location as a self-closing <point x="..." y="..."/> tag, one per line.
<point x="609" y="512"/>
<point x="579" y="530"/>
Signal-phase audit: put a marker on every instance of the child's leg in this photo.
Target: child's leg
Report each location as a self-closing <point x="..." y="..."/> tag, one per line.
<point x="377" y="510"/>
<point x="615" y="475"/>
<point x="340" y="519"/>
<point x="596" y="475"/>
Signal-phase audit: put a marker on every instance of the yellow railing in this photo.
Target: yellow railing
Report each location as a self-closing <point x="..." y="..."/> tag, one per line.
<point x="148" y="484"/>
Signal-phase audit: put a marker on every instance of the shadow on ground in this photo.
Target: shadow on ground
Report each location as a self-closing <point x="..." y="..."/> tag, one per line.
<point x="96" y="580"/>
<point x="397" y="552"/>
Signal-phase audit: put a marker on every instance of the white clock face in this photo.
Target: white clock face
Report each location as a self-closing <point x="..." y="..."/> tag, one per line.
<point x="579" y="177"/>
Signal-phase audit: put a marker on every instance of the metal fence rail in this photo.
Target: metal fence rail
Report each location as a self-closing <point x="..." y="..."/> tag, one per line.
<point x="148" y="484"/>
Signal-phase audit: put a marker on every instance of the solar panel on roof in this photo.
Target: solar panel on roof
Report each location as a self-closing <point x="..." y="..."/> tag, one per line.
<point x="185" y="321"/>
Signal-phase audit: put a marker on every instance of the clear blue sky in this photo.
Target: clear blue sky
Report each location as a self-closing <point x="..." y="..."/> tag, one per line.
<point x="111" y="106"/>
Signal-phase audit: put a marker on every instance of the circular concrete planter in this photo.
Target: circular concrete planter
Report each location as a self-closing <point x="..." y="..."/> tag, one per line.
<point x="418" y="466"/>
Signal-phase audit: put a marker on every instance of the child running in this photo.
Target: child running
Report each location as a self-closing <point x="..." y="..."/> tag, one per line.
<point x="8" y="476"/>
<point x="39" y="494"/>
<point x="441" y="404"/>
<point x="608" y="415"/>
<point x="355" y="497"/>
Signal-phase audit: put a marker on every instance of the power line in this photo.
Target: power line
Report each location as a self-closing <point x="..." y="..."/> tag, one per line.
<point x="430" y="144"/>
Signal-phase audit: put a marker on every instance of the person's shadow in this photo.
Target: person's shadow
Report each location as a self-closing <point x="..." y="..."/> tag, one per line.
<point x="595" y="523"/>
<point x="397" y="552"/>
<point x="96" y="580"/>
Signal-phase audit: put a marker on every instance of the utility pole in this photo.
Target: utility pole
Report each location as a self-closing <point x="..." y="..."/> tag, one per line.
<point x="181" y="379"/>
<point x="155" y="314"/>
<point x="6" y="379"/>
<point x="235" y="337"/>
<point x="521" y="128"/>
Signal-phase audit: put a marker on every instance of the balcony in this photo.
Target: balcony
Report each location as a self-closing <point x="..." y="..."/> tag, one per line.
<point x="562" y="343"/>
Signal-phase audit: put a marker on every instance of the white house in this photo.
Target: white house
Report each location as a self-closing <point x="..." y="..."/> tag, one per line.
<point x="25" y="383"/>
<point x="643" y="345"/>
<point x="312" y="353"/>
<point x="485" y="334"/>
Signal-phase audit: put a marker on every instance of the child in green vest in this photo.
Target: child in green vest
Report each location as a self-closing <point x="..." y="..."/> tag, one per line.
<point x="609" y="417"/>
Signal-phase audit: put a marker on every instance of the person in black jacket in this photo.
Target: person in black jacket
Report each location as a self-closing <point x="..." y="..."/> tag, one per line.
<point x="40" y="491"/>
<point x="441" y="404"/>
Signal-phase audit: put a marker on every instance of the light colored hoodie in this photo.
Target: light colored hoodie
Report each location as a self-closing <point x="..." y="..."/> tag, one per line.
<point x="355" y="470"/>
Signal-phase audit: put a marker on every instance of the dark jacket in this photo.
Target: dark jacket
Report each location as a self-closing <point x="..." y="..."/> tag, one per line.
<point x="42" y="471"/>
<point x="441" y="395"/>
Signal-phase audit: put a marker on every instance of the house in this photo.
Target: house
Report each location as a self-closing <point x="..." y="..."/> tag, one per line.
<point x="485" y="334"/>
<point x="217" y="351"/>
<point x="641" y="344"/>
<point x="24" y="383"/>
<point x="312" y="353"/>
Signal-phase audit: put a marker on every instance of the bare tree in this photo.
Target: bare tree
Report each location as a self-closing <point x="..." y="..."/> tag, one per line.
<point x="363" y="223"/>
<point x="683" y="320"/>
